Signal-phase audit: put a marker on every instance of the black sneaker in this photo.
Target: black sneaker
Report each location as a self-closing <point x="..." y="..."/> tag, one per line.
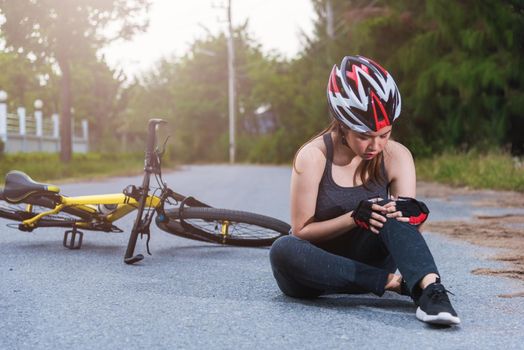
<point x="435" y="307"/>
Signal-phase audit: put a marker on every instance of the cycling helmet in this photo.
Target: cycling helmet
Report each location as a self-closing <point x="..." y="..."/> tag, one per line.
<point x="362" y="95"/>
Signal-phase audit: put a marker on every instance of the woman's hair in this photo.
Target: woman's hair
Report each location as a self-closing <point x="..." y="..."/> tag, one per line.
<point x="368" y="170"/>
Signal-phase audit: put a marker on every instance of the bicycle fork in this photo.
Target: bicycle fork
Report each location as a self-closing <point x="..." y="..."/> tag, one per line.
<point x="129" y="258"/>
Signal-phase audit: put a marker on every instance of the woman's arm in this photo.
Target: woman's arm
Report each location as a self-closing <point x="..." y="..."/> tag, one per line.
<point x="305" y="178"/>
<point x="401" y="170"/>
<point x="402" y="175"/>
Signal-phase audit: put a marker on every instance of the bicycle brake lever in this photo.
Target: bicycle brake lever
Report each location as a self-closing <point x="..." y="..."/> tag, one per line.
<point x="147" y="243"/>
<point x="161" y="152"/>
<point x="145" y="231"/>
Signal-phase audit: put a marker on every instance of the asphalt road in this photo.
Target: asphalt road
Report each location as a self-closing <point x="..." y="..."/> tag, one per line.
<point x="192" y="295"/>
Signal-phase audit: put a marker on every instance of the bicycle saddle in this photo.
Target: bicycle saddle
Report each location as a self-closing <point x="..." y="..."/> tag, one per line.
<point x="19" y="186"/>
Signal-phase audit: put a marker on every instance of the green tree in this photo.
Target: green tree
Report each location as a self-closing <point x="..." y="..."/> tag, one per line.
<point x="457" y="64"/>
<point x="460" y="71"/>
<point x="191" y="92"/>
<point x="19" y="78"/>
<point x="62" y="31"/>
<point x="101" y="97"/>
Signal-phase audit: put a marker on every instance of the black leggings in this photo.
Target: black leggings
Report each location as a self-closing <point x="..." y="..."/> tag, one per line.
<point x="304" y="270"/>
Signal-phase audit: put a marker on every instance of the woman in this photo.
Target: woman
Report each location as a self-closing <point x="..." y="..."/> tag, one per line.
<point x="348" y="235"/>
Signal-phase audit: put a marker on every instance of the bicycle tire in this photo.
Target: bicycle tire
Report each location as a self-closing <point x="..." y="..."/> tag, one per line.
<point x="205" y="224"/>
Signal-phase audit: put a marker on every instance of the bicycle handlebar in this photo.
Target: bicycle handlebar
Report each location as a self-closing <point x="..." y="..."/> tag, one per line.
<point x="151" y="139"/>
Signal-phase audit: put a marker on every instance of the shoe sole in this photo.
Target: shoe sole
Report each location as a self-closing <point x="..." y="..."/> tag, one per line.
<point x="443" y="318"/>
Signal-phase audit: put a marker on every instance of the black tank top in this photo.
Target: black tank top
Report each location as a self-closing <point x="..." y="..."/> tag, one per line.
<point x="334" y="200"/>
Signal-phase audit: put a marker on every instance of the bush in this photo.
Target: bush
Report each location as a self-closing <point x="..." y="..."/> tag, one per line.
<point x="494" y="170"/>
<point x="46" y="166"/>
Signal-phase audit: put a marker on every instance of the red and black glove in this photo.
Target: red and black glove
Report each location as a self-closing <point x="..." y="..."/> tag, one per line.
<point x="415" y="210"/>
<point x="362" y="214"/>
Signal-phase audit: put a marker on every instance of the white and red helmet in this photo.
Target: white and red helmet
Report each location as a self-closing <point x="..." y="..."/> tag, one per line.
<point x="363" y="95"/>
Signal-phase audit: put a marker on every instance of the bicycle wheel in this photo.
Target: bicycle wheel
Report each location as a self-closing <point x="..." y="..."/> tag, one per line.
<point x="224" y="226"/>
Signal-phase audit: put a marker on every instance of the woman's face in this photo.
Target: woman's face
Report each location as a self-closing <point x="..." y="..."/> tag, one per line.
<point x="368" y="145"/>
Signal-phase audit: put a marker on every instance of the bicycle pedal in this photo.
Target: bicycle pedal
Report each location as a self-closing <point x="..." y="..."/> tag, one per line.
<point x="70" y="239"/>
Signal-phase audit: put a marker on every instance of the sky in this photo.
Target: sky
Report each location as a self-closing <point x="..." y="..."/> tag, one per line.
<point x="174" y="24"/>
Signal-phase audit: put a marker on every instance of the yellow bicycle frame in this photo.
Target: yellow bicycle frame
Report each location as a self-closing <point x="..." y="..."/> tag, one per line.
<point x="125" y="205"/>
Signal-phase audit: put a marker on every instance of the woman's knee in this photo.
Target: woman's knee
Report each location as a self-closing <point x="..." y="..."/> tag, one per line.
<point x="282" y="255"/>
<point x="283" y="250"/>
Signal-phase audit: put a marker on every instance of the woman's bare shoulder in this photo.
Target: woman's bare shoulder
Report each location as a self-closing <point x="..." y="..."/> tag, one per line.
<point x="311" y="156"/>
<point x="396" y="150"/>
<point x="397" y="159"/>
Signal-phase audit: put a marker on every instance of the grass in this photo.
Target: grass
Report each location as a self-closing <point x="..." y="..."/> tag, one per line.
<point x="493" y="170"/>
<point x="47" y="167"/>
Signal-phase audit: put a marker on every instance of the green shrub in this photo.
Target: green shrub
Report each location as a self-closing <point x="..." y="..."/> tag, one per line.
<point x="47" y="167"/>
<point x="493" y="170"/>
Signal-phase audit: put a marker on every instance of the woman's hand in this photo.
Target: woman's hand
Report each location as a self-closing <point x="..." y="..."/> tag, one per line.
<point x="370" y="215"/>
<point x="392" y="212"/>
<point x="406" y="209"/>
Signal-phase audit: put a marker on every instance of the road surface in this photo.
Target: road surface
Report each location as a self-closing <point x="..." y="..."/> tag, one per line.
<point x="193" y="295"/>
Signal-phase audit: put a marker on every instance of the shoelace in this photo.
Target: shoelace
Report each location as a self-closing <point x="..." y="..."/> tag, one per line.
<point x="439" y="293"/>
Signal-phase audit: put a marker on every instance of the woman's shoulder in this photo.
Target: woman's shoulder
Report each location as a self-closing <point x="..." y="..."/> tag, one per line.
<point x="312" y="155"/>
<point x="397" y="157"/>
<point x="396" y="150"/>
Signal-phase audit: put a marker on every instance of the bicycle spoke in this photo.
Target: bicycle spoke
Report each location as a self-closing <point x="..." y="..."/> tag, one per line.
<point x="225" y="226"/>
<point x="235" y="229"/>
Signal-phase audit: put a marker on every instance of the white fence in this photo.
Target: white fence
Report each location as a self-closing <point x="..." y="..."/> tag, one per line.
<point x="35" y="133"/>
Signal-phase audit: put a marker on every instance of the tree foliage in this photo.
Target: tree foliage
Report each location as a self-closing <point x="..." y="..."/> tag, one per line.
<point x="20" y="78"/>
<point x="63" y="32"/>
<point x="191" y="92"/>
<point x="457" y="64"/>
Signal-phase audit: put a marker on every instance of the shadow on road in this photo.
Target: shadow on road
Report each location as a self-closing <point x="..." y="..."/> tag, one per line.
<point x="339" y="301"/>
<point x="51" y="246"/>
<point x="400" y="312"/>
